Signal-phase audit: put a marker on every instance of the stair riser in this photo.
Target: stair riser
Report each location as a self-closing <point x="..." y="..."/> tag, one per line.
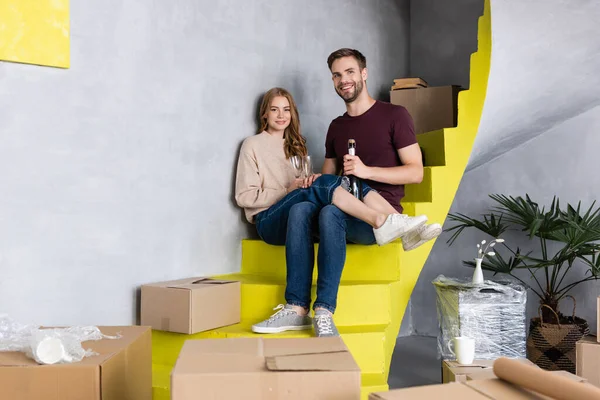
<point x="357" y="304"/>
<point x="363" y="263"/>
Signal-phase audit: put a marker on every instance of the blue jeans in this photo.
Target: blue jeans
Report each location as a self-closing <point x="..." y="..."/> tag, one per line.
<point x="296" y="221"/>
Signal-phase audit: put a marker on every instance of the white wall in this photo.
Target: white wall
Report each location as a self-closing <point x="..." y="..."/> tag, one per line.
<point x="119" y="171"/>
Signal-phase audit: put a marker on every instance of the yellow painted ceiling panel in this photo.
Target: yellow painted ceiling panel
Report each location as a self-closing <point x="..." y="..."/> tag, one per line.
<point x="35" y="32"/>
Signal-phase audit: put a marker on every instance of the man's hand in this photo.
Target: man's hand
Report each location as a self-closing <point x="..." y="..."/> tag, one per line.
<point x="354" y="166"/>
<point x="310" y="180"/>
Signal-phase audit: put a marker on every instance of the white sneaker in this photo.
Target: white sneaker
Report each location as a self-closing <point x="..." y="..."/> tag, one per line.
<point x="422" y="234"/>
<point x="396" y="226"/>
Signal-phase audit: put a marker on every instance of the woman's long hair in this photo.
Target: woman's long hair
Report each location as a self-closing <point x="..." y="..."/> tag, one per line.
<point x="294" y="143"/>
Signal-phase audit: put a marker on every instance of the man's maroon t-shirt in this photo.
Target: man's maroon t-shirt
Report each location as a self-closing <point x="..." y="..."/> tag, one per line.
<point x="379" y="133"/>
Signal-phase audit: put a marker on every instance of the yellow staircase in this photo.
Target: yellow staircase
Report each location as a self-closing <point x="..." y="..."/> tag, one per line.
<point x="377" y="281"/>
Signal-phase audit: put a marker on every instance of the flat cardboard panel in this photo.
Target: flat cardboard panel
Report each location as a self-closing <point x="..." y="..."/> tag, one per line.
<point x="121" y="371"/>
<point x="303" y="346"/>
<point x="431" y="108"/>
<point x="588" y="360"/>
<point x="341" y="361"/>
<point x="450" y="391"/>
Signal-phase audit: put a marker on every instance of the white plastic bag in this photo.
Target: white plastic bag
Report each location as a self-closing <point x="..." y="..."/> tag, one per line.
<point x="48" y="346"/>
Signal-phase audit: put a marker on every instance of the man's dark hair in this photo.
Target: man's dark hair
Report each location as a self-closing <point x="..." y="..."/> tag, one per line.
<point x="345" y="52"/>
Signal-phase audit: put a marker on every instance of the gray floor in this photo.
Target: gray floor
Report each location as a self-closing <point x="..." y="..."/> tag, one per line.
<point x="415" y="362"/>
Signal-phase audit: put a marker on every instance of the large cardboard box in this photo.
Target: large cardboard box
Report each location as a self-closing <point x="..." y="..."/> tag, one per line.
<point x="485" y="389"/>
<point x="265" y="369"/>
<point x="121" y="371"/>
<point x="488" y="373"/>
<point x="588" y="360"/>
<point x="431" y="108"/>
<point x="452" y="371"/>
<point x="191" y="305"/>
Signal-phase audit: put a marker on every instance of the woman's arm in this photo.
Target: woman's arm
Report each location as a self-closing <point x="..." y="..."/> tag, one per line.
<point x="249" y="192"/>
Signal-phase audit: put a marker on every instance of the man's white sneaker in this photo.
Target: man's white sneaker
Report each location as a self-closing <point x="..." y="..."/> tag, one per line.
<point x="421" y="235"/>
<point x="396" y="226"/>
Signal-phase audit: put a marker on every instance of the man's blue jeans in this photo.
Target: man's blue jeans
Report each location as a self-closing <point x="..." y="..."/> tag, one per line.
<point x="296" y="221"/>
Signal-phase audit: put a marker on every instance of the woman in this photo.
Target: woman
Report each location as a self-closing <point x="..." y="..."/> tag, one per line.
<point x="272" y="199"/>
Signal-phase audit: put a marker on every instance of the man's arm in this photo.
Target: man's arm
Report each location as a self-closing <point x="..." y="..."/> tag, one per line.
<point x="410" y="172"/>
<point x="329" y="166"/>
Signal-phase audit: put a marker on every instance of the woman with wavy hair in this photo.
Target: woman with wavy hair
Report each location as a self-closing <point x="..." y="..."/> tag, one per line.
<point x="277" y="203"/>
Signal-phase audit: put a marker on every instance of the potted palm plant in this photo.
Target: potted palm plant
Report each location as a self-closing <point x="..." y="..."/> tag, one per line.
<point x="573" y="232"/>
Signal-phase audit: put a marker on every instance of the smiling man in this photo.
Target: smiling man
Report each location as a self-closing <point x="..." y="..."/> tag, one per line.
<point x="387" y="153"/>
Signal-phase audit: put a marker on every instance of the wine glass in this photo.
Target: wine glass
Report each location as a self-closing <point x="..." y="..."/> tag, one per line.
<point x="307" y="167"/>
<point x="296" y="162"/>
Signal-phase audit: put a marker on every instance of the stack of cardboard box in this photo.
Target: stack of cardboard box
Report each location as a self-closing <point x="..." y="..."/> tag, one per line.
<point x="431" y="107"/>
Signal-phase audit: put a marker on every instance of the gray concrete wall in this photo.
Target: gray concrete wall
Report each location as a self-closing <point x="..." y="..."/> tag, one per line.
<point x="443" y="34"/>
<point x="545" y="65"/>
<point x="119" y="171"/>
<point x="527" y="96"/>
<point x="561" y="162"/>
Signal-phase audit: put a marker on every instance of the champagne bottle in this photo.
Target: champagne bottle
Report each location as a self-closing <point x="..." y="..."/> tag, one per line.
<point x="355" y="183"/>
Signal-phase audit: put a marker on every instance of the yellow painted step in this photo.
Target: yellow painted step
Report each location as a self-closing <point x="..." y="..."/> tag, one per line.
<point x="359" y="302"/>
<point x="433" y="186"/>
<point x="363" y="263"/>
<point x="433" y="146"/>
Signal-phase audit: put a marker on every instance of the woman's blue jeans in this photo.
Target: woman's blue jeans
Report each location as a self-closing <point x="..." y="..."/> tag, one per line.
<point x="296" y="221"/>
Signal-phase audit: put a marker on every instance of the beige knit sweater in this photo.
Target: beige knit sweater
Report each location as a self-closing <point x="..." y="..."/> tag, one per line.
<point x="263" y="174"/>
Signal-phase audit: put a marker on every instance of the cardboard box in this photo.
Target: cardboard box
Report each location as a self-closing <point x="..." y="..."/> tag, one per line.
<point x="257" y="368"/>
<point x="598" y="321"/>
<point x="191" y="305"/>
<point x="121" y="371"/>
<point x="485" y="389"/>
<point x="452" y="371"/>
<point x="588" y="360"/>
<point x="488" y="373"/>
<point x="431" y="108"/>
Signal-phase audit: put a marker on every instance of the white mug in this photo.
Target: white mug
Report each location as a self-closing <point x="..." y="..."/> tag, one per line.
<point x="464" y="349"/>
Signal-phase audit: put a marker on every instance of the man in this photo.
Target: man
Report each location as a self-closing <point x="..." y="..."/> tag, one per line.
<point x="387" y="153"/>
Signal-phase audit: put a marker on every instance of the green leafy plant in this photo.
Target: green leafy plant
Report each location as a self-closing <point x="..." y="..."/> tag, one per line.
<point x="576" y="230"/>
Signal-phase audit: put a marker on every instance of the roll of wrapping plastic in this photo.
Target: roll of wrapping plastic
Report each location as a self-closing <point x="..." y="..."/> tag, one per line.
<point x="543" y="382"/>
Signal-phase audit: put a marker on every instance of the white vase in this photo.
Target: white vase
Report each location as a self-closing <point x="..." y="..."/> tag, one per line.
<point x="478" y="274"/>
